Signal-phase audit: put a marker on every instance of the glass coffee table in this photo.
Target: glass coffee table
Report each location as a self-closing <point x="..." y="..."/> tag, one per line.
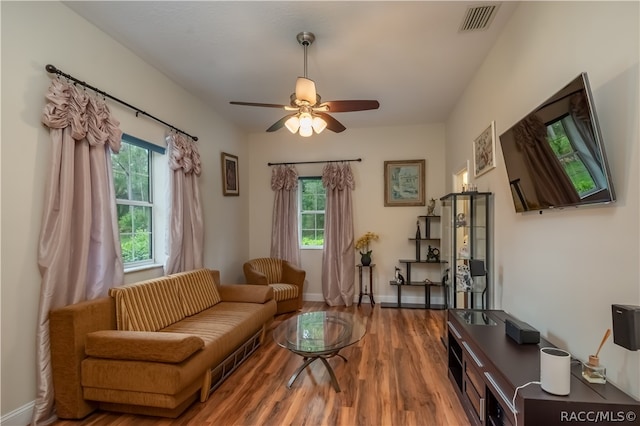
<point x="319" y="335"/>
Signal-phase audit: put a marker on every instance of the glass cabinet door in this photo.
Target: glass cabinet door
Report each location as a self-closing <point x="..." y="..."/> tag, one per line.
<point x="465" y="249"/>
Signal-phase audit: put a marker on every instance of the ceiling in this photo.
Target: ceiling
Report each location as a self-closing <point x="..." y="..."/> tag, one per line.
<point x="410" y="56"/>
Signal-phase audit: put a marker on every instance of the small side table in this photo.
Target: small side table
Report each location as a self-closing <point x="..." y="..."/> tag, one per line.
<point x="367" y="291"/>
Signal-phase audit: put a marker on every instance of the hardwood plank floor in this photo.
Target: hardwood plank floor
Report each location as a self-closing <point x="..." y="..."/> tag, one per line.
<point x="396" y="375"/>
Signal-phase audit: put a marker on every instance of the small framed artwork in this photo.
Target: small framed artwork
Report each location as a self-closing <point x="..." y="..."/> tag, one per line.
<point x="484" y="151"/>
<point x="230" y="183"/>
<point x="404" y="183"/>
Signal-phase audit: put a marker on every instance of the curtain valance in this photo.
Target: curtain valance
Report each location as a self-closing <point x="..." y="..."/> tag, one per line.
<point x="86" y="115"/>
<point x="284" y="177"/>
<point x="183" y="154"/>
<point x="337" y="176"/>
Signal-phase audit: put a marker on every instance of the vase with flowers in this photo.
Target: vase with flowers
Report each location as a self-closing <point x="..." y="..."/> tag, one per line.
<point x="362" y="244"/>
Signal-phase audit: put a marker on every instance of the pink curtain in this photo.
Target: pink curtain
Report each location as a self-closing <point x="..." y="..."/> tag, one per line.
<point x="79" y="248"/>
<point x="186" y="224"/>
<point x="284" y="228"/>
<point x="552" y="185"/>
<point x="338" y="261"/>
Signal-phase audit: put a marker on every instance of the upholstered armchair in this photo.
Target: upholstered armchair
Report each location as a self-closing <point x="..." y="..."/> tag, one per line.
<point x="286" y="280"/>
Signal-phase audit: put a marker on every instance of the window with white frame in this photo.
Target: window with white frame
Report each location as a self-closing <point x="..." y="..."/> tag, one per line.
<point x="311" y="206"/>
<point x="133" y="175"/>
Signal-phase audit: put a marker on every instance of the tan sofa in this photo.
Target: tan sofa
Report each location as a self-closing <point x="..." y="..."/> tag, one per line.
<point x="154" y="347"/>
<point x="286" y="280"/>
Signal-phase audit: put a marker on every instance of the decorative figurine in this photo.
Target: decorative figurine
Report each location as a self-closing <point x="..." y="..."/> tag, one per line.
<point x="463" y="253"/>
<point x="445" y="277"/>
<point x="399" y="278"/>
<point x="418" y="232"/>
<point x="431" y="207"/>
<point x="433" y="255"/>
<point x="463" y="278"/>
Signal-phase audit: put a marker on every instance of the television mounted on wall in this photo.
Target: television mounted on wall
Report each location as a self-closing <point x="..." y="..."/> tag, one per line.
<point x="555" y="157"/>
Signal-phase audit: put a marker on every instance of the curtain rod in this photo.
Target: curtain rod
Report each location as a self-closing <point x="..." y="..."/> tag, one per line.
<point x="52" y="69"/>
<point x="314" y="162"/>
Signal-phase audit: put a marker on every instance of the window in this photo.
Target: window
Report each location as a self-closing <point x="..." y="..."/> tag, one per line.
<point x="311" y="205"/>
<point x="133" y="181"/>
<point x="571" y="151"/>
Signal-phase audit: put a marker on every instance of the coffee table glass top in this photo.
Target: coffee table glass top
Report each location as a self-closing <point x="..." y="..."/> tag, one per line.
<point x="317" y="333"/>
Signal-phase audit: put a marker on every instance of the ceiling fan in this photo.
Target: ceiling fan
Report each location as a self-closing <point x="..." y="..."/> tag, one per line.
<point x="308" y="113"/>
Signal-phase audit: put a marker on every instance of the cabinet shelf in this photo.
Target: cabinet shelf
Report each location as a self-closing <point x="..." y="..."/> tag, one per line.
<point x="420" y="261"/>
<point x="429" y="234"/>
<point x="466" y="246"/>
<point x="417" y="284"/>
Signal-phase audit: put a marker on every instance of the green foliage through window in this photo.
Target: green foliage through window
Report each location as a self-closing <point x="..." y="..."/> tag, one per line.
<point x="132" y="181"/>
<point x="570" y="158"/>
<point x="311" y="205"/>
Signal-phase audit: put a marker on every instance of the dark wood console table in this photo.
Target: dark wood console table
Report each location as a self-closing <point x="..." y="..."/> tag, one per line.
<point x="486" y="366"/>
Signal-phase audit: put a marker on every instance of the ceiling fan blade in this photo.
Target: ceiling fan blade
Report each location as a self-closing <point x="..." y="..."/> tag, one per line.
<point x="347" y="106"/>
<point x="278" y="124"/>
<point x="332" y="124"/>
<point x="257" y="104"/>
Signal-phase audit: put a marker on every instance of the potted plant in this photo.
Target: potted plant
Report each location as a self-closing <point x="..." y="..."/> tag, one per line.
<point x="362" y="244"/>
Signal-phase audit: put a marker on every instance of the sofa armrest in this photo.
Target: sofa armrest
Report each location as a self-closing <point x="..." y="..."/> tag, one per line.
<point x="246" y="293"/>
<point x="292" y="274"/>
<point x="253" y="276"/>
<point x="68" y="327"/>
<point x="142" y="345"/>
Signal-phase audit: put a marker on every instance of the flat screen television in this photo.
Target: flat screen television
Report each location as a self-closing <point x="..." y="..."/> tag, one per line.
<point x="555" y="156"/>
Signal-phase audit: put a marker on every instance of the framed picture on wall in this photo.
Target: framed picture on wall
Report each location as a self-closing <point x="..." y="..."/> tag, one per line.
<point x="484" y="151"/>
<point x="230" y="182"/>
<point x="404" y="183"/>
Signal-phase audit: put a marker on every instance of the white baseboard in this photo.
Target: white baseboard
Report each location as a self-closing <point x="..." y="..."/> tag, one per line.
<point x="21" y="416"/>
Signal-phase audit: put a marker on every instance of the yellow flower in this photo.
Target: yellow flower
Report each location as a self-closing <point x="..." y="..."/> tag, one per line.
<point x="363" y="241"/>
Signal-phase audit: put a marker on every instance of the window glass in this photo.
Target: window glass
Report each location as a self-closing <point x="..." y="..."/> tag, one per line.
<point x="132" y="174"/>
<point x="568" y="146"/>
<point x="311" y="206"/>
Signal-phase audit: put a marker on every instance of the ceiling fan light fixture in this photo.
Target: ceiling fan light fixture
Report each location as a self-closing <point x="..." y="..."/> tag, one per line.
<point x="306" y="121"/>
<point x="292" y="124"/>
<point x="305" y="132"/>
<point x="306" y="90"/>
<point x="319" y="124"/>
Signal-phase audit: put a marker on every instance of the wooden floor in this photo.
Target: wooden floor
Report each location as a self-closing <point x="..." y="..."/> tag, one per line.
<point x="396" y="375"/>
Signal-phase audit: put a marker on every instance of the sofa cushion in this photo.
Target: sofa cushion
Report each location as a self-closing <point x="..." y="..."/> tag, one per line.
<point x="142" y="345"/>
<point x="147" y="306"/>
<point x="197" y="290"/>
<point x="284" y="291"/>
<point x="223" y="328"/>
<point x="249" y="293"/>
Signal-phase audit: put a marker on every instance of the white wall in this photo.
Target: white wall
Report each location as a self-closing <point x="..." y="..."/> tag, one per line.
<point x="394" y="224"/>
<point x="561" y="271"/>
<point x="33" y="35"/>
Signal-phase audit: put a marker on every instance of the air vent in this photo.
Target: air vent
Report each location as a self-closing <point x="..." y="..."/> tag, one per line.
<point x="479" y="17"/>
